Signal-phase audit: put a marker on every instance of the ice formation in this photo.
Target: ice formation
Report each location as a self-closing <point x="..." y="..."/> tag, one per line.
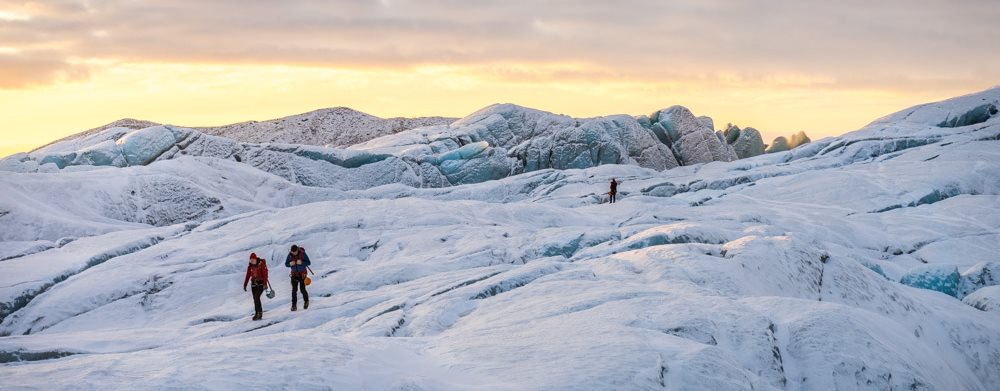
<point x="941" y="278"/>
<point x="745" y="142"/>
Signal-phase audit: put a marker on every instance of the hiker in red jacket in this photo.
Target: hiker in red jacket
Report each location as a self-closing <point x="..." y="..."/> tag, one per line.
<point x="257" y="273"/>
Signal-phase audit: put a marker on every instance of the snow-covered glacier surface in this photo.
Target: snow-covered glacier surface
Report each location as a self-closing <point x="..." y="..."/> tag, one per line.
<point x="865" y="261"/>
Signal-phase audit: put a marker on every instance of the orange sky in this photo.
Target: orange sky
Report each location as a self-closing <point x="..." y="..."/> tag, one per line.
<point x="66" y="66"/>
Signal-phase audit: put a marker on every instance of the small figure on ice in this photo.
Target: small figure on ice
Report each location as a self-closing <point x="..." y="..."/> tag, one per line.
<point x="257" y="276"/>
<point x="298" y="261"/>
<point x="614" y="190"/>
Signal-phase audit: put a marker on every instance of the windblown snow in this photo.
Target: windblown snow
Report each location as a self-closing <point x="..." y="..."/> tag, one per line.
<point x="482" y="255"/>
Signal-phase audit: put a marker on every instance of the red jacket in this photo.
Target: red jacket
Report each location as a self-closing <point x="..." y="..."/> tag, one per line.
<point x="258" y="272"/>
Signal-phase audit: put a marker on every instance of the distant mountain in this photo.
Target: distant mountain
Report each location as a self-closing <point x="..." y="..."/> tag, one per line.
<point x="335" y="127"/>
<point x="493" y="143"/>
<point x="346" y="149"/>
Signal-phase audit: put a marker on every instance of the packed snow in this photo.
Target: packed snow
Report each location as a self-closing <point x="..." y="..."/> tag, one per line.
<point x="865" y="261"/>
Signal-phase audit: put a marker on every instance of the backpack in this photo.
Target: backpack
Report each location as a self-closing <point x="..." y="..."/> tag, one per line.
<point x="258" y="273"/>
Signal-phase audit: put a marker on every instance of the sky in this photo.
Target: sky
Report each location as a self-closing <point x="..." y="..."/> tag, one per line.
<point x="780" y="66"/>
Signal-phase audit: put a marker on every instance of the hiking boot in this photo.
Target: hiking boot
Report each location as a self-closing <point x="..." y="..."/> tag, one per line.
<point x="257" y="316"/>
<point x="293" y="307"/>
<point x="305" y="305"/>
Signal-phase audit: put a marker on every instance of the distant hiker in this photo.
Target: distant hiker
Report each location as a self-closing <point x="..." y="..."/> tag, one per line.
<point x="614" y="190"/>
<point x="257" y="276"/>
<point x="299" y="262"/>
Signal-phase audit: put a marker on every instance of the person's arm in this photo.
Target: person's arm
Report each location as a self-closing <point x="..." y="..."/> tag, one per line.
<point x="265" y="271"/>
<point x="288" y="260"/>
<point x="305" y="258"/>
<point x="247" y="278"/>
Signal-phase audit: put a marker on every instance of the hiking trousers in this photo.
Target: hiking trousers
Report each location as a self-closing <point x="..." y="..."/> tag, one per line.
<point x="257" y="290"/>
<point x="299" y="282"/>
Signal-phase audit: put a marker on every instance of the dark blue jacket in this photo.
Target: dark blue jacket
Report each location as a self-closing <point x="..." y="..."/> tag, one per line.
<point x="294" y="257"/>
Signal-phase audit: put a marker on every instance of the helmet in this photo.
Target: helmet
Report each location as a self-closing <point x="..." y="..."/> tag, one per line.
<point x="270" y="293"/>
<point x="307" y="281"/>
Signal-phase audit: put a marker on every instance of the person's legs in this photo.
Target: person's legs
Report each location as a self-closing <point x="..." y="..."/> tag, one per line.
<point x="258" y="308"/>
<point x="305" y="295"/>
<point x="295" y="293"/>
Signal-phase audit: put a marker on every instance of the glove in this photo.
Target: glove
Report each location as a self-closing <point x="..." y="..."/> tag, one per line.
<point x="244" y="288"/>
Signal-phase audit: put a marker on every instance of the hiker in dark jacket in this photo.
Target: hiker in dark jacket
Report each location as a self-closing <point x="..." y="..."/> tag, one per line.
<point x="614" y="190"/>
<point x="257" y="276"/>
<point x="298" y="261"/>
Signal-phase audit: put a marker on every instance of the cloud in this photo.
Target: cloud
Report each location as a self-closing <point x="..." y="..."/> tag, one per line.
<point x="849" y="44"/>
<point x="25" y="69"/>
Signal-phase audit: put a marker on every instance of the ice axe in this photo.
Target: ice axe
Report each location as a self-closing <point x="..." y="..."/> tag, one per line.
<point x="270" y="291"/>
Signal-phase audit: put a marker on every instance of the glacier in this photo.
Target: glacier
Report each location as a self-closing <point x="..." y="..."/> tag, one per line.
<point x="517" y="140"/>
<point x="746" y="142"/>
<point x="941" y="278"/>
<point x="483" y="254"/>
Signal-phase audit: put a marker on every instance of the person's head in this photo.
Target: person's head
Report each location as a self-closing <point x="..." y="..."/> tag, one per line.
<point x="294" y="249"/>
<point x="253" y="257"/>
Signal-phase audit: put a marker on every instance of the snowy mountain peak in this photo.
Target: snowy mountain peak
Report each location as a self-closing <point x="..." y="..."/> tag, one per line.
<point x="506" y="110"/>
<point x="336" y="126"/>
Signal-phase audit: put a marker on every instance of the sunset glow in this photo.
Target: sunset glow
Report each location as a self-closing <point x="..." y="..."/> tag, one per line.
<point x="69" y="66"/>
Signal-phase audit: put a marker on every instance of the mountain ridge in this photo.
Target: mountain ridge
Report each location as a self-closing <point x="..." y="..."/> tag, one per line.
<point x="393" y="124"/>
